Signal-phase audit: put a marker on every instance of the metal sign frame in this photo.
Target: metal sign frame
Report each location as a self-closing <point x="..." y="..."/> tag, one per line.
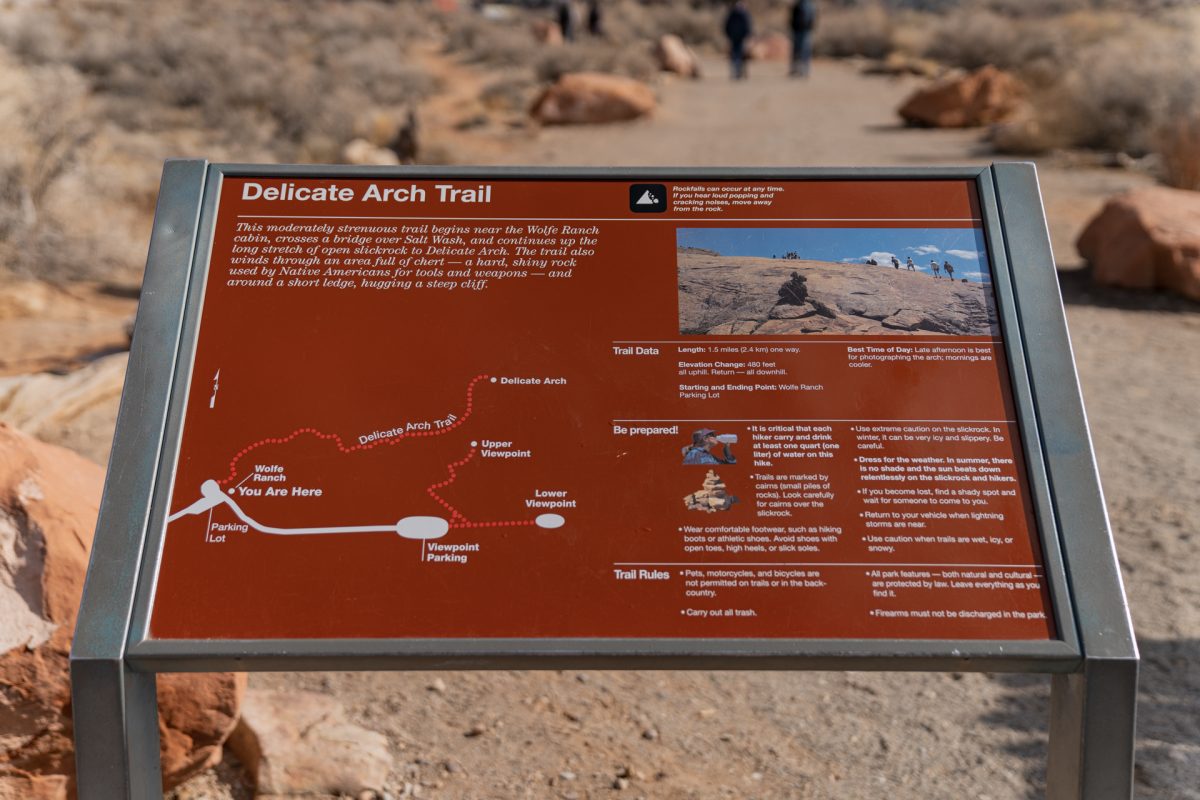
<point x="1094" y="662"/>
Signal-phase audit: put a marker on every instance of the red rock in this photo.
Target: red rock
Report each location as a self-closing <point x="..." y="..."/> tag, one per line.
<point x="49" y="498"/>
<point x="983" y="97"/>
<point x="675" y="56"/>
<point x="1146" y="238"/>
<point x="770" y="47"/>
<point x="23" y="786"/>
<point x="582" y="98"/>
<point x="301" y="743"/>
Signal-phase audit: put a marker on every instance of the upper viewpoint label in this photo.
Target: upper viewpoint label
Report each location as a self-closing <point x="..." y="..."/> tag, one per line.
<point x="648" y="198"/>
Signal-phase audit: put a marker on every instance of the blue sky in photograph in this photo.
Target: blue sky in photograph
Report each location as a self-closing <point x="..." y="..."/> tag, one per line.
<point x="964" y="248"/>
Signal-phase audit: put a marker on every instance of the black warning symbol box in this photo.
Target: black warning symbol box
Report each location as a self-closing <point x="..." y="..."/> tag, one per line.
<point x="648" y="198"/>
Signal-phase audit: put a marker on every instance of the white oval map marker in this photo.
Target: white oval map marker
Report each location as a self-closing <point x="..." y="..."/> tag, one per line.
<point x="422" y="527"/>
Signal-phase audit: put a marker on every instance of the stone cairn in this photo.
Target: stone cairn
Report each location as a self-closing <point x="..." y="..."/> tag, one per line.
<point x="712" y="497"/>
<point x="794" y="291"/>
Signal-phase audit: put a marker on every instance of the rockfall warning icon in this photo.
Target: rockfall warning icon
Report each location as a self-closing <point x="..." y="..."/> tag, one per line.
<point x="648" y="198"/>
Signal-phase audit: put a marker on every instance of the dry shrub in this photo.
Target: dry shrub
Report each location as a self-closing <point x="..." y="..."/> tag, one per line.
<point x="1179" y="151"/>
<point x="1120" y="93"/>
<point x="512" y="93"/>
<point x="862" y="31"/>
<point x="699" y="25"/>
<point x="44" y="124"/>
<point x="490" y="42"/>
<point x="287" y="71"/>
<point x="633" y="62"/>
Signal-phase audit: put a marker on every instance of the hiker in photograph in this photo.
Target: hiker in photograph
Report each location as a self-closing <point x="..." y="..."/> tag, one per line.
<point x="909" y="265"/>
<point x="895" y="263"/>
<point x="738" y="28"/>
<point x="804" y="20"/>
<point x="949" y="269"/>
<point x="934" y="266"/>
<point x="703" y="440"/>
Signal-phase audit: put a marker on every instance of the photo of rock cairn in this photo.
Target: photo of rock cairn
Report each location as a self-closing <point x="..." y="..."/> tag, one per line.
<point x="712" y="497"/>
<point x="739" y="295"/>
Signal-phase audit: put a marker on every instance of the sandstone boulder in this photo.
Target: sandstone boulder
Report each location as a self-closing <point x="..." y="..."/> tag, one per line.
<point x="48" y="503"/>
<point x="300" y="743"/>
<point x="769" y="47"/>
<point x="1147" y="238"/>
<point x="983" y="97"/>
<point x="363" y="153"/>
<point x="77" y="410"/>
<point x="44" y="326"/>
<point x="583" y="98"/>
<point x="675" y="56"/>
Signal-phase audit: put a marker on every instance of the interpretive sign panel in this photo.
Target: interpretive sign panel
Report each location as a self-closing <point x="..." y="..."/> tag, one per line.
<point x="789" y="419"/>
<point x="763" y="409"/>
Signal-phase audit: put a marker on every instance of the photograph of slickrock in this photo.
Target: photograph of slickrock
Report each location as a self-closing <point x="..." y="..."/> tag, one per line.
<point x="1102" y="96"/>
<point x="780" y="282"/>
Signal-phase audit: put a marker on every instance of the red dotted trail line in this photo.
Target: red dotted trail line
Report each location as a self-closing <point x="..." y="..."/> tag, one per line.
<point x="452" y="467"/>
<point x="341" y="446"/>
<point x="457" y="520"/>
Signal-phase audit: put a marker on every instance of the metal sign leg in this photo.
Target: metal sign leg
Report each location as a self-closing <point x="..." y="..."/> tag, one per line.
<point x="116" y="731"/>
<point x="1092" y="724"/>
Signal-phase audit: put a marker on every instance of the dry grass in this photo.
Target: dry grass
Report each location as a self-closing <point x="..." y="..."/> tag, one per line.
<point x="1113" y="79"/>
<point x="95" y="94"/>
<point x="868" y="31"/>
<point x="1179" y="150"/>
<point x="633" y="62"/>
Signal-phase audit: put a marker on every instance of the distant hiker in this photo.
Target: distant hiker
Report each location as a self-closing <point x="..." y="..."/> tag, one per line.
<point x="595" y="19"/>
<point x="949" y="270"/>
<point x="738" y="29"/>
<point x="910" y="265"/>
<point x="804" y="20"/>
<point x="936" y="269"/>
<point x="895" y="263"/>
<point x="872" y="262"/>
<point x="404" y="143"/>
<point x="566" y="20"/>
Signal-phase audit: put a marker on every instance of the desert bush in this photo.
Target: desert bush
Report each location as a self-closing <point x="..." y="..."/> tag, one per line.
<point x="633" y="62"/>
<point x="1120" y="94"/>
<point x="299" y="68"/>
<point x="699" y="25"/>
<point x="494" y="43"/>
<point x="1178" y="144"/>
<point x="44" y="124"/>
<point x="863" y="31"/>
<point x="512" y="93"/>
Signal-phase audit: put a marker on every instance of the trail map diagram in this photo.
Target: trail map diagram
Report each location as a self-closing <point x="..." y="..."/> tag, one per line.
<point x="225" y="490"/>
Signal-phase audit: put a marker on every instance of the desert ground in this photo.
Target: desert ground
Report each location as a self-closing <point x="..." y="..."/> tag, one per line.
<point x="571" y="734"/>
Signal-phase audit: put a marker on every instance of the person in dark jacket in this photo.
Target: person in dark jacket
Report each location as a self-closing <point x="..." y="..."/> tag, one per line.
<point x="566" y="20"/>
<point x="595" y="19"/>
<point x="738" y="29"/>
<point x="804" y="20"/>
